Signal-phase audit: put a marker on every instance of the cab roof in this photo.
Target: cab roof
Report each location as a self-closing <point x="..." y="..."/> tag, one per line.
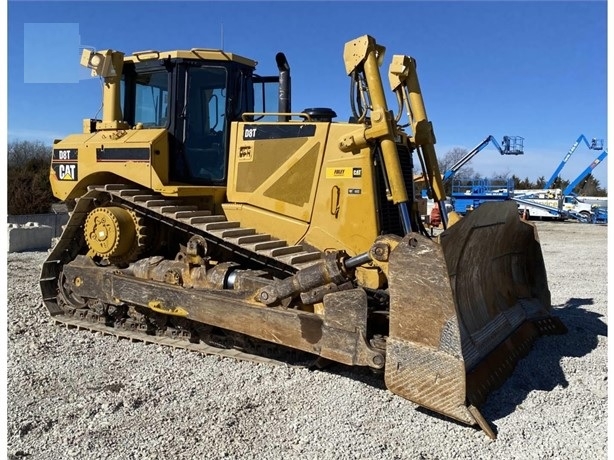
<point x="204" y="54"/>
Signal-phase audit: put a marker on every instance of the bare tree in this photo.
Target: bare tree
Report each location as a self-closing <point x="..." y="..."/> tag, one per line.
<point x="28" y="187"/>
<point x="449" y="162"/>
<point x="502" y="176"/>
<point x="451" y="158"/>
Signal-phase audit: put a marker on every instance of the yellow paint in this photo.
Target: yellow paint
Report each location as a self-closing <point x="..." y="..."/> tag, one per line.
<point x="276" y="175"/>
<point x="159" y="307"/>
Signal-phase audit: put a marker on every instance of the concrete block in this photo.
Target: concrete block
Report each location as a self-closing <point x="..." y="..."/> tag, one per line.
<point x="29" y="237"/>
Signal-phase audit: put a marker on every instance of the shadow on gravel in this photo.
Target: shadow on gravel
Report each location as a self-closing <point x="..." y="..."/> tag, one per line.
<point x="541" y="368"/>
<point x="370" y="377"/>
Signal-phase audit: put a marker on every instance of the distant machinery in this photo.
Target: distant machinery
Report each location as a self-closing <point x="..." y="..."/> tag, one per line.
<point x="584" y="174"/>
<point x="510" y="145"/>
<point x="469" y="195"/>
<point x="594" y="144"/>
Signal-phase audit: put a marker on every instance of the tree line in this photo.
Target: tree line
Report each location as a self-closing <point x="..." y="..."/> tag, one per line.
<point x="29" y="190"/>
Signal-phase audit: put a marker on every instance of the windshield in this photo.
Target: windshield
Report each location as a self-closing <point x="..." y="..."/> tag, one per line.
<point x="151" y="101"/>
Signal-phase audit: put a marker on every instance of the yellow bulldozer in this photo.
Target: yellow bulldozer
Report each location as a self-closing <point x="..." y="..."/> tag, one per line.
<point x="206" y="214"/>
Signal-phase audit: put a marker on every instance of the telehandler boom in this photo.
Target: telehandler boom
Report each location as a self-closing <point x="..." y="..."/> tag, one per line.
<point x="202" y="222"/>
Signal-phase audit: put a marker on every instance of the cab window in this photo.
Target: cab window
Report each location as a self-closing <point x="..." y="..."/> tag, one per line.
<point x="205" y="112"/>
<point x="151" y="99"/>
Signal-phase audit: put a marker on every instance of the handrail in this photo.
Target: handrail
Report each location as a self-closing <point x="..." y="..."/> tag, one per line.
<point x="266" y="114"/>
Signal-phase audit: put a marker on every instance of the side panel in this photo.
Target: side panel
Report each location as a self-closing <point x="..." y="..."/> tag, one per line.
<point x="83" y="159"/>
<point x="276" y="167"/>
<point x="141" y="156"/>
<point x="345" y="209"/>
<point x="292" y="176"/>
<point x="540" y="211"/>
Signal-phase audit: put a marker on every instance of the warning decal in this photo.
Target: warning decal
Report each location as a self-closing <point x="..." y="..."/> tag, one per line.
<point x="343" y="173"/>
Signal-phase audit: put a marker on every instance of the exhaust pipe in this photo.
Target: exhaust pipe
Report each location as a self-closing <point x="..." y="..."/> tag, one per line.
<point x="284" y="86"/>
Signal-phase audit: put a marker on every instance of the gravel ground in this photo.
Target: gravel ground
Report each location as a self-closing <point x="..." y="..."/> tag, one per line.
<point x="77" y="394"/>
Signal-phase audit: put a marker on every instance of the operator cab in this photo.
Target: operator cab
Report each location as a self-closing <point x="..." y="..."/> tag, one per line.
<point x="194" y="95"/>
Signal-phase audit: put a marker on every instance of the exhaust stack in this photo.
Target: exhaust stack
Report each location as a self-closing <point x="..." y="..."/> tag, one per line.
<point x="284" y="86"/>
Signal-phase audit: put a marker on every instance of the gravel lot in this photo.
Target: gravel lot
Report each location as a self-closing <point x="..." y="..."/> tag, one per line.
<point x="76" y="394"/>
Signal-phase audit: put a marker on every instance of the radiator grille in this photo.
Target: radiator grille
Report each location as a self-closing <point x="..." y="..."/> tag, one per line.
<point x="388" y="213"/>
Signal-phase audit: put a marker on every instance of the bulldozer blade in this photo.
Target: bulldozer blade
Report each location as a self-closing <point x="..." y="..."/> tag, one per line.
<point x="463" y="312"/>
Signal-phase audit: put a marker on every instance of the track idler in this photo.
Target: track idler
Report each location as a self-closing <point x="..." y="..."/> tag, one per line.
<point x="464" y="312"/>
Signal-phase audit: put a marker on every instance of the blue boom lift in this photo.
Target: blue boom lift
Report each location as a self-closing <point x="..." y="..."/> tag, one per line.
<point x="512" y="145"/>
<point x="585" y="173"/>
<point x="595" y="144"/>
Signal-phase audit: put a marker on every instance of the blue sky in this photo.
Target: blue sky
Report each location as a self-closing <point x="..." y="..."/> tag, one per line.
<point x="532" y="69"/>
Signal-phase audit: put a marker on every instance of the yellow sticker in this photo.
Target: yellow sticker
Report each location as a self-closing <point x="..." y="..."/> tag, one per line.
<point x="339" y="173"/>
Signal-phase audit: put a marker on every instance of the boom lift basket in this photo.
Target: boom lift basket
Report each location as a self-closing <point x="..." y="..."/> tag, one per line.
<point x="512" y="145"/>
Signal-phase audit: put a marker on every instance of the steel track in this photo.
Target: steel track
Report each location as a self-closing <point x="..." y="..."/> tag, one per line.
<point x="261" y="250"/>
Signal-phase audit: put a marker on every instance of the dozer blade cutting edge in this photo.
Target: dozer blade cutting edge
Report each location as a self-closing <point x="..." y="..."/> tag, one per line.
<point x="464" y="312"/>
